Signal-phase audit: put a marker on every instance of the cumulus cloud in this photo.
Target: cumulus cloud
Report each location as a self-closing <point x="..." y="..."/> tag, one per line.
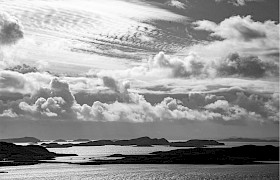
<point x="57" y="101"/>
<point x="237" y="2"/>
<point x="120" y="88"/>
<point x="50" y="107"/>
<point x="14" y="82"/>
<point x="241" y="28"/>
<point x="8" y="113"/>
<point x="199" y="100"/>
<point x="142" y="111"/>
<point x="249" y="66"/>
<point x="267" y="108"/>
<point x="162" y="66"/>
<point x="176" y="4"/>
<point x="242" y="35"/>
<point x="10" y="29"/>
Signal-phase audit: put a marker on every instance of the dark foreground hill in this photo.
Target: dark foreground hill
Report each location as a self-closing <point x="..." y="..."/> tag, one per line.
<point x="11" y="154"/>
<point x="247" y="154"/>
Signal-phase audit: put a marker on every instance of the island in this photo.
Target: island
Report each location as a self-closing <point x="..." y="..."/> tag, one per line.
<point x="247" y="154"/>
<point x="240" y="139"/>
<point x="200" y="153"/>
<point x="21" y="140"/>
<point x="60" y="140"/>
<point x="13" y="155"/>
<point x="139" y="142"/>
<point x="147" y="142"/>
<point x="56" y="145"/>
<point x="196" y="143"/>
<point x="81" y="140"/>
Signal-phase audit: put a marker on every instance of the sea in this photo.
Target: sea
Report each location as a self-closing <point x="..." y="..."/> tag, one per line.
<point x="61" y="170"/>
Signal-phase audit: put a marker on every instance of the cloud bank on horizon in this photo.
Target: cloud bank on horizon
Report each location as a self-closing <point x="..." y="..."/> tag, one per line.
<point x="220" y="72"/>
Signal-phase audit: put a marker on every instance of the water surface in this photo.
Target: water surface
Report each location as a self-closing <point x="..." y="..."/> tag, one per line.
<point x="141" y="171"/>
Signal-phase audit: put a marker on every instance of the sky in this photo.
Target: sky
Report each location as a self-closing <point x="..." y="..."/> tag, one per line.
<point x="177" y="69"/>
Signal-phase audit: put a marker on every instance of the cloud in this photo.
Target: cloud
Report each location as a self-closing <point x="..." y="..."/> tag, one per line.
<point x="50" y="107"/>
<point x="119" y="88"/>
<point x="23" y="69"/>
<point x="267" y="108"/>
<point x="142" y="111"/>
<point x="176" y="4"/>
<point x="241" y="28"/>
<point x="61" y="89"/>
<point x="10" y="29"/>
<point x="8" y="113"/>
<point x="110" y="83"/>
<point x="162" y="66"/>
<point x="249" y="66"/>
<point x="238" y="2"/>
<point x="242" y="35"/>
<point x="14" y="82"/>
<point x="57" y="102"/>
<point x="199" y="100"/>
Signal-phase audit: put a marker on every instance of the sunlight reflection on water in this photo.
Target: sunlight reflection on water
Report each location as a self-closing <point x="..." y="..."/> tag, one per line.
<point x="136" y="171"/>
